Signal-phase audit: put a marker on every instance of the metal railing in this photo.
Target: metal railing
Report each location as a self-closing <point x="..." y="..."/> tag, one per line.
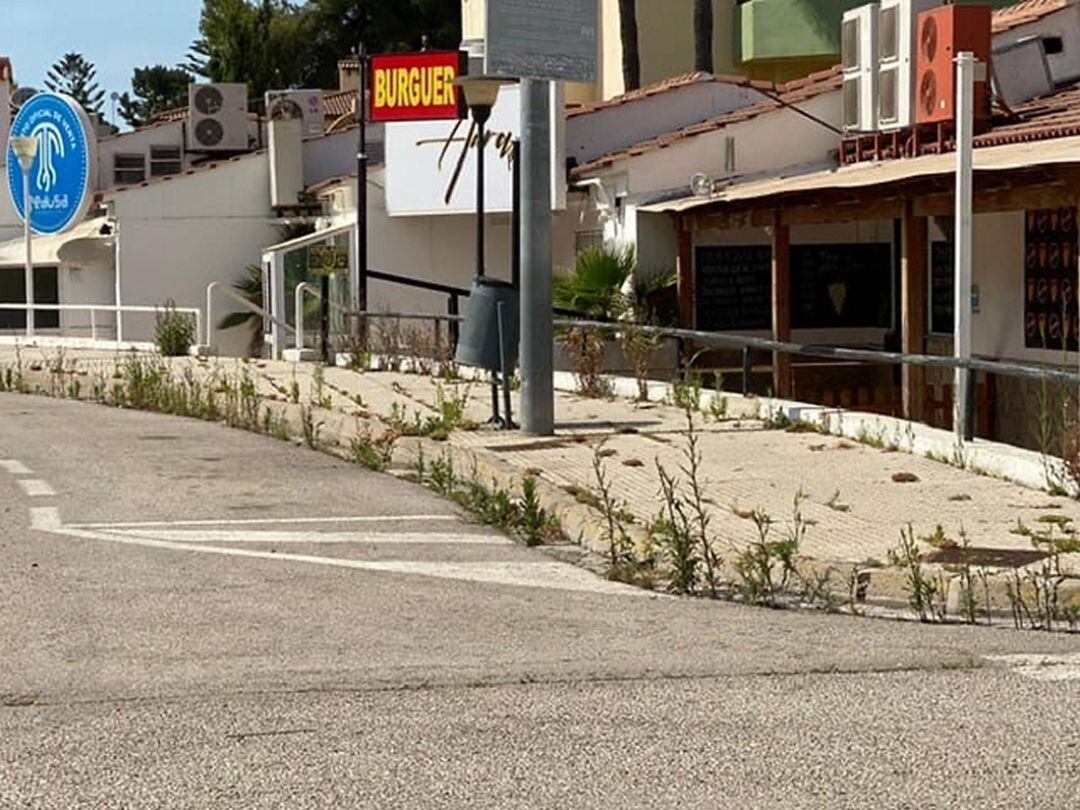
<point x="748" y="345"/>
<point x="235" y="296"/>
<point x="93" y="309"/>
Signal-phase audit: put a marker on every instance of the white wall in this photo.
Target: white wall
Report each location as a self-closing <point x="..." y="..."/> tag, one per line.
<point x="335" y="155"/>
<point x="441" y="248"/>
<point x="767" y="142"/>
<point x="590" y="135"/>
<point x="178" y="235"/>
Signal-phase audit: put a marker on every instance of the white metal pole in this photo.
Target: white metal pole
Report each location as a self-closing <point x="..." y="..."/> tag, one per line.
<point x="29" y="254"/>
<point x="965" y="122"/>
<point x="117" y="278"/>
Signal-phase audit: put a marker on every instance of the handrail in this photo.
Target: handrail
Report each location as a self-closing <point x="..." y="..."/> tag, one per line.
<point x="420" y="284"/>
<point x="235" y="296"/>
<point x="93" y="308"/>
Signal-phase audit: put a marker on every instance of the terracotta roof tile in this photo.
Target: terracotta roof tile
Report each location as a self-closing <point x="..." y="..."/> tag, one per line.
<point x="1027" y="11"/>
<point x="339" y="102"/>
<point x="1056" y="115"/>
<point x="665" y="86"/>
<point x="790" y="93"/>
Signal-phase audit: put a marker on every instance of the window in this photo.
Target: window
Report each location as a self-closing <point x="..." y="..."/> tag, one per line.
<point x="165" y="160"/>
<point x="128" y="169"/>
<point x="1053" y="45"/>
<point x="13" y="291"/>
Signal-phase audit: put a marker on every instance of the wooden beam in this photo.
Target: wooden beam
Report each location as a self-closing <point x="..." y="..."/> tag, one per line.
<point x="913" y="304"/>
<point x="685" y="265"/>
<point x="781" y="302"/>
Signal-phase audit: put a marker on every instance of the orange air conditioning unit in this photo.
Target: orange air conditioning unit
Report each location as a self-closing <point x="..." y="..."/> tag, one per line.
<point x="941" y="34"/>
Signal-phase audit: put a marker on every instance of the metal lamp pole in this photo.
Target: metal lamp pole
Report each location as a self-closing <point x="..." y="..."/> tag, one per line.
<point x="25" y="150"/>
<point x="481" y="93"/>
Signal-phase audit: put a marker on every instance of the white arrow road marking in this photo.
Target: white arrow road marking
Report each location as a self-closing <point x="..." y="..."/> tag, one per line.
<point x="36" y="488"/>
<point x="14" y="467"/>
<point x="264" y="536"/>
<point x="1042" y="667"/>
<point x="264" y="521"/>
<point x="547" y="574"/>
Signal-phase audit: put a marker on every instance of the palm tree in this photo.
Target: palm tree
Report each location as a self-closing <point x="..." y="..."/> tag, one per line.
<point x="251" y="288"/>
<point x="703" y="35"/>
<point x="628" y="35"/>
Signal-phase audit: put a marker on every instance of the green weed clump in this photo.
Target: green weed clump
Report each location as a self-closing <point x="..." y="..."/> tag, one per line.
<point x="174" y="332"/>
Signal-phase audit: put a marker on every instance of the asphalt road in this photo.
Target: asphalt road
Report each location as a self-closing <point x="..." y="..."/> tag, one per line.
<point x="197" y="617"/>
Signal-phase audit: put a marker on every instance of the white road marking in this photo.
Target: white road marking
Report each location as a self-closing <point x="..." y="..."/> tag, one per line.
<point x="14" y="467"/>
<point x="1051" y="668"/>
<point x="164" y="524"/>
<point x="549" y="575"/>
<point x="44" y="518"/>
<point x="36" y="488"/>
<point x="272" y="536"/>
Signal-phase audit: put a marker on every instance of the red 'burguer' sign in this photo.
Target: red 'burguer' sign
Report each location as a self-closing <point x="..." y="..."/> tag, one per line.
<point x="417" y="86"/>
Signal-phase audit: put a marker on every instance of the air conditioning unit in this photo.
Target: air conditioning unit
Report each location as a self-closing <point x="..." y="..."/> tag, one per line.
<point x="306" y="105"/>
<point x="943" y="33"/>
<point x="1021" y="72"/>
<point x="859" y="56"/>
<point x="896" y="61"/>
<point x="217" y="118"/>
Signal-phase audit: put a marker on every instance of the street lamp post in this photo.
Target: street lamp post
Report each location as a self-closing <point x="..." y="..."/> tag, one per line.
<point x="481" y="94"/>
<point x="25" y="150"/>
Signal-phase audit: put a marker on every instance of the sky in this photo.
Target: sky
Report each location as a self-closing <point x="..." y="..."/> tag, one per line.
<point x="116" y="35"/>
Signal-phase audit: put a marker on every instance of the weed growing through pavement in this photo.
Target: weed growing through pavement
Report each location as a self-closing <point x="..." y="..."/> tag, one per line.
<point x="620" y="548"/>
<point x="373" y="452"/>
<point x="925" y="594"/>
<point x="310" y="427"/>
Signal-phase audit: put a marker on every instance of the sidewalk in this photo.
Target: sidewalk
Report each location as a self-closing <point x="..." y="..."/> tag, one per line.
<point x="858" y="497"/>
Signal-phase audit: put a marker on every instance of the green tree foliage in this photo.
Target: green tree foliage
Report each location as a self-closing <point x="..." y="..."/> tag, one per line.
<point x="274" y="44"/>
<point x="77" y="77"/>
<point x="265" y="44"/>
<point x="154" y="89"/>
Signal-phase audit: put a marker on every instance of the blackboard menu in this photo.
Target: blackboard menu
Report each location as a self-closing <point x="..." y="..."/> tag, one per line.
<point x="841" y="286"/>
<point x="942" y="287"/>
<point x="1050" y="267"/>
<point x="733" y="289"/>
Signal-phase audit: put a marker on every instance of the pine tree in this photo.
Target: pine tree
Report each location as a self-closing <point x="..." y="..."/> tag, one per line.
<point x="77" y="77"/>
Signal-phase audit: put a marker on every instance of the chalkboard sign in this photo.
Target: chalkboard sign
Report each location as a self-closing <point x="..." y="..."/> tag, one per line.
<point x="733" y="288"/>
<point x="942" y="287"/>
<point x="841" y="286"/>
<point x="1050" y="259"/>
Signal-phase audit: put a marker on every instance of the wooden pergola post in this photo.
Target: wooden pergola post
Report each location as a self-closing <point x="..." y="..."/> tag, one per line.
<point x="781" y="303"/>
<point x="913" y="304"/>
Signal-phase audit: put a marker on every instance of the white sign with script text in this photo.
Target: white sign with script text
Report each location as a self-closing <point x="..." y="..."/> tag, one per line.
<point x="431" y="165"/>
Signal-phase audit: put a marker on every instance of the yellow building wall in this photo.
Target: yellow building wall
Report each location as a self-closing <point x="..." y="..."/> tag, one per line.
<point x="665" y="42"/>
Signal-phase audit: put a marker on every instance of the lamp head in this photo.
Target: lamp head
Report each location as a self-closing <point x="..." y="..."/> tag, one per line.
<point x="25" y="150"/>
<point x="481" y="93"/>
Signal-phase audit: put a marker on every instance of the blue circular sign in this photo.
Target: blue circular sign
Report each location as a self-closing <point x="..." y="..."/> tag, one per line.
<point x="61" y="178"/>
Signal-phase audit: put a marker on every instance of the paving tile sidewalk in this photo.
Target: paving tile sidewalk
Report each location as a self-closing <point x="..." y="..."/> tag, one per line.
<point x="858" y="498"/>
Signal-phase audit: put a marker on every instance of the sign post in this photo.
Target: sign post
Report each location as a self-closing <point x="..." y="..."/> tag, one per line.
<point x="539" y="41"/>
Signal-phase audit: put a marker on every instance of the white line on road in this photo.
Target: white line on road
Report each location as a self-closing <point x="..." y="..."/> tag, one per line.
<point x="262" y="521"/>
<point x="44" y="518"/>
<point x="548" y="575"/>
<point x="1042" y="667"/>
<point x="14" y="467"/>
<point x="291" y="536"/>
<point x="36" y="488"/>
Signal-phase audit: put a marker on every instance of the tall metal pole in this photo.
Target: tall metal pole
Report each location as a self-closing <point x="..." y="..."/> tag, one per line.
<point x="360" y="294"/>
<point x="965" y="123"/>
<point x="27" y="235"/>
<point x="537" y="327"/>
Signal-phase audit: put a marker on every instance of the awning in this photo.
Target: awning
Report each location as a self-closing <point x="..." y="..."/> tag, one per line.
<point x="83" y="246"/>
<point x="314" y="238"/>
<point x="860" y="175"/>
